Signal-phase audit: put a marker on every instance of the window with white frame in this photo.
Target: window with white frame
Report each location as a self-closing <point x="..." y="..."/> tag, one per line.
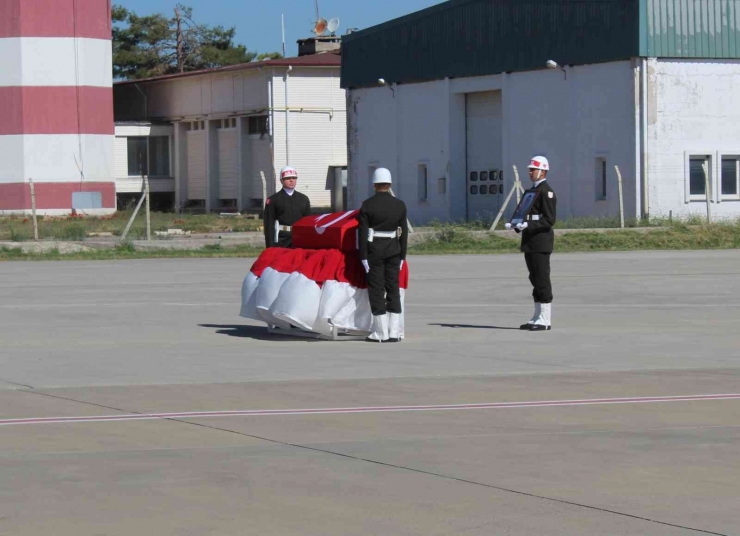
<point x="422" y="182"/>
<point x="699" y="177"/>
<point x="148" y="156"/>
<point x="600" y="178"/>
<point x="730" y="177"/>
<point x="137" y="156"/>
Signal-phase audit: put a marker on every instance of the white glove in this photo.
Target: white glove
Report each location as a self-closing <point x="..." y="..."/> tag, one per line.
<point x="507" y="226"/>
<point x="522" y="226"/>
<point x="401" y="265"/>
<point x="367" y="266"/>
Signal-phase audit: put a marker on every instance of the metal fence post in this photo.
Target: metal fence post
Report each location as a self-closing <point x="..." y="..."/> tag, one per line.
<point x="33" y="211"/>
<point x="621" y="197"/>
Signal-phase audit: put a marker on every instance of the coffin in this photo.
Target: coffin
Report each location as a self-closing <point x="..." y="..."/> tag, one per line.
<point x="337" y="230"/>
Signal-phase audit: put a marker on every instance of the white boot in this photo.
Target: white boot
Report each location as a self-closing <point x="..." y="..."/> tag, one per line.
<point x="543" y="323"/>
<point x="380" y="329"/>
<point x="537" y="313"/>
<point x="394" y="331"/>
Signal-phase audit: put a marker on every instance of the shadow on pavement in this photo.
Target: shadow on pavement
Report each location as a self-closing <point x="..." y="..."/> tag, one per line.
<point x="259" y="333"/>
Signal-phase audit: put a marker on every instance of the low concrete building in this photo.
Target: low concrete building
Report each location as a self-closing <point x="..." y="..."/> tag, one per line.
<point x="451" y="97"/>
<point x="232" y="127"/>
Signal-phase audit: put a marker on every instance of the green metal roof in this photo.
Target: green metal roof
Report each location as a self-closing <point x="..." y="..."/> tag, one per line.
<point x="690" y="28"/>
<point x="462" y="38"/>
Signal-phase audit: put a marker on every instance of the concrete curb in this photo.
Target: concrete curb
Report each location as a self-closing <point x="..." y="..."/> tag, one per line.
<point x="254" y="239"/>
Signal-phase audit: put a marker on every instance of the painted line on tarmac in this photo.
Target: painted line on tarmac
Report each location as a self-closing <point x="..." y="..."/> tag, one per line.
<point x="582" y="305"/>
<point x="370" y="409"/>
<point x="436" y="305"/>
<point x="116" y="305"/>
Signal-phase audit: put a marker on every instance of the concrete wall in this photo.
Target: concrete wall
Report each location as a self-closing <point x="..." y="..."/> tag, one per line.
<point x="692" y="109"/>
<point x="571" y="117"/>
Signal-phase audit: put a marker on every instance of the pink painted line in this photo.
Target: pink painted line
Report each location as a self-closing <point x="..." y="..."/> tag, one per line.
<point x="371" y="409"/>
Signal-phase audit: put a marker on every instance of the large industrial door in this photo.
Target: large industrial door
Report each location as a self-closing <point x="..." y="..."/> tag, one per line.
<point x="484" y="182"/>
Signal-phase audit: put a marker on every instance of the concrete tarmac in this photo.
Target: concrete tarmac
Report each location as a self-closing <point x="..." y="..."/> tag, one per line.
<point x="596" y="439"/>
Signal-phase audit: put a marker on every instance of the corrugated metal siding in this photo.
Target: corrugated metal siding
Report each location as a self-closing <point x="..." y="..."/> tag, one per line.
<point x="690" y="28"/>
<point x="227" y="163"/>
<point x="261" y="161"/>
<point x="121" y="157"/>
<point x="311" y="153"/>
<point x="479" y="37"/>
<point x="196" y="155"/>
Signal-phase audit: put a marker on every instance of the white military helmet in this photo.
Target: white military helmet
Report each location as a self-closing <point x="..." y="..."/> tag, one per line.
<point x="539" y="162"/>
<point x="288" y="172"/>
<point x="382" y="176"/>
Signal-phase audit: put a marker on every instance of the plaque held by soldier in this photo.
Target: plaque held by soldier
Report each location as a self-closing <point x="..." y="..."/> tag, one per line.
<point x="524" y="207"/>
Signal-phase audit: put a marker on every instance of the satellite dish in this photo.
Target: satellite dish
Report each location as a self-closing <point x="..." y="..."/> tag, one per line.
<point x="320" y="27"/>
<point x="333" y="25"/>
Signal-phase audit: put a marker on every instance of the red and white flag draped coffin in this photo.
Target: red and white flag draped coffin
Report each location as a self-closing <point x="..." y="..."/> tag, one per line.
<point x="337" y="230"/>
<point x="314" y="289"/>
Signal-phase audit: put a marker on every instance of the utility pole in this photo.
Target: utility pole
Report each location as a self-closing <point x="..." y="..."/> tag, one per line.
<point x="178" y="19"/>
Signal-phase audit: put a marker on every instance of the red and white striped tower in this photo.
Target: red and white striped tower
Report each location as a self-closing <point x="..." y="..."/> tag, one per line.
<point x="56" y="105"/>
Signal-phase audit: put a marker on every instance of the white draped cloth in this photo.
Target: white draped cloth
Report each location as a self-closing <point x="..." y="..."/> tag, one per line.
<point x="314" y="290"/>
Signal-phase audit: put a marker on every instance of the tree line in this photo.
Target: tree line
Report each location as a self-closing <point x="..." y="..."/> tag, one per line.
<point x="153" y="45"/>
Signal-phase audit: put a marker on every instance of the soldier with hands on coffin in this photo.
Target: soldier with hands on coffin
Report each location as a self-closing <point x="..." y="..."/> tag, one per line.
<point x="283" y="209"/>
<point x="383" y="236"/>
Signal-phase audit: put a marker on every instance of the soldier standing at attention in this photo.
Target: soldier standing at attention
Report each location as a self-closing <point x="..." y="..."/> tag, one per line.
<point x="283" y="209"/>
<point x="538" y="240"/>
<point x="383" y="243"/>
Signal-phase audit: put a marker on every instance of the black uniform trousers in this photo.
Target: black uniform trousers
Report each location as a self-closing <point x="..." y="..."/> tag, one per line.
<point x="382" y="284"/>
<point x="538" y="265"/>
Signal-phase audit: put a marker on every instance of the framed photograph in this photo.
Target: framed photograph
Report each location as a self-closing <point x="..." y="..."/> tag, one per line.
<point x="524" y="207"/>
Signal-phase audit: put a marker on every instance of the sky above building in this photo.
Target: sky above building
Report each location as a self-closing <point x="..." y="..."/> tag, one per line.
<point x="258" y="24"/>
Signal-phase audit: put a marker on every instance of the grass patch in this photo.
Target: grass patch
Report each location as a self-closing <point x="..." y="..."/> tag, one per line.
<point x="678" y="236"/>
<point x="453" y="240"/>
<point x="20" y="228"/>
<point x="125" y="248"/>
<point x="127" y="251"/>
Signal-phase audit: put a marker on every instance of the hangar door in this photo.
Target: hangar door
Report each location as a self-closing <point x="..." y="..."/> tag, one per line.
<point x="484" y="147"/>
<point x="196" y="147"/>
<point x="228" y="163"/>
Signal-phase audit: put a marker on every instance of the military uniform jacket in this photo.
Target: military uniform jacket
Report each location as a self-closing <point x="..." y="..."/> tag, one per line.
<point x="383" y="213"/>
<point x="539" y="237"/>
<point x="287" y="209"/>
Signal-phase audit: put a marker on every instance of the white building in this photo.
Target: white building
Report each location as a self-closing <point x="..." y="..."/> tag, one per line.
<point x="467" y="94"/>
<point x="211" y="136"/>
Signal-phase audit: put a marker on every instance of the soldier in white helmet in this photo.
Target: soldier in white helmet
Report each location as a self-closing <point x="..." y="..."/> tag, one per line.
<point x="538" y="240"/>
<point x="283" y="209"/>
<point x="383" y="242"/>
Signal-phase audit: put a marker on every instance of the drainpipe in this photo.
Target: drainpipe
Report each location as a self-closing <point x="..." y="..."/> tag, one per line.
<point x="644" y="137"/>
<point x="287" y="117"/>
